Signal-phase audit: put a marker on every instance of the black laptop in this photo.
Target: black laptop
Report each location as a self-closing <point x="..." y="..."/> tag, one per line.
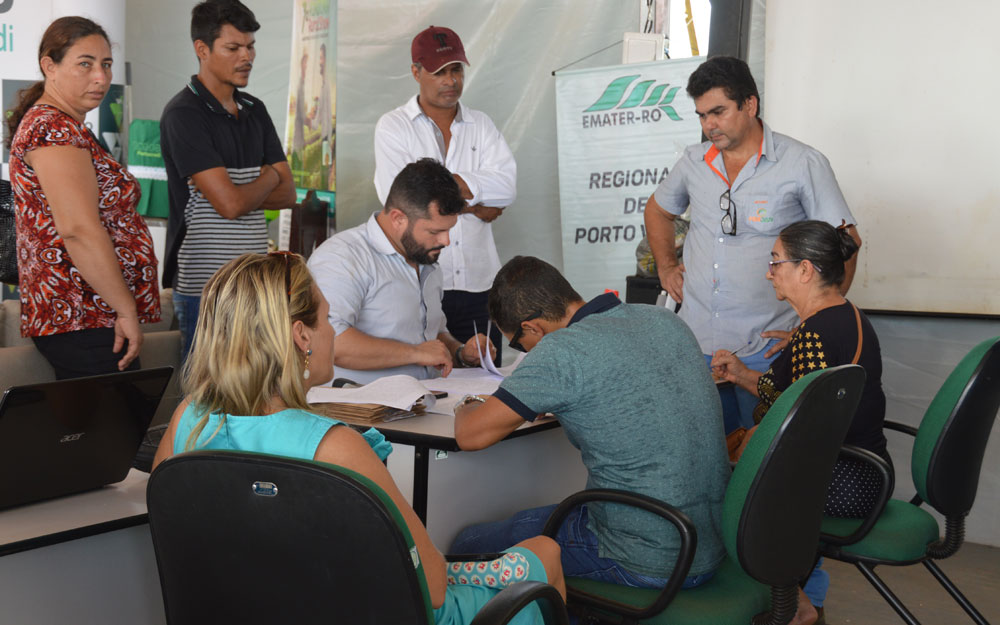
<point x="69" y="436"/>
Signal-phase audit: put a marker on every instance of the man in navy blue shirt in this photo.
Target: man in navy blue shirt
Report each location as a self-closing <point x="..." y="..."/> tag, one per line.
<point x="223" y="158"/>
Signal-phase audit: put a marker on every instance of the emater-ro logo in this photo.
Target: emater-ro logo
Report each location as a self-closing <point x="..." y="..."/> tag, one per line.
<point x="653" y="100"/>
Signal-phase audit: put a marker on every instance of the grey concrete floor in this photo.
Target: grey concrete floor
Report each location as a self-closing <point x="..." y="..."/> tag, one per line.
<point x="975" y="569"/>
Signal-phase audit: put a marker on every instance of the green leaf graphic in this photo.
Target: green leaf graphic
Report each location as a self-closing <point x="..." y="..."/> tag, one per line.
<point x="655" y="95"/>
<point x="671" y="113"/>
<point x="667" y="99"/>
<point x="669" y="110"/>
<point x="612" y="94"/>
<point x="637" y="94"/>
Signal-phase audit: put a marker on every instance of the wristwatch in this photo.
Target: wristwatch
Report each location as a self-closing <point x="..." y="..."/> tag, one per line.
<point x="459" y="360"/>
<point x="468" y="399"/>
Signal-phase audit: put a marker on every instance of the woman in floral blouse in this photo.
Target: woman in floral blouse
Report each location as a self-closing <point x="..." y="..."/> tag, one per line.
<point x="87" y="271"/>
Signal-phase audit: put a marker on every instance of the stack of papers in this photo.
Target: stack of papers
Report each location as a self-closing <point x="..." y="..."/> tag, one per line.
<point x="386" y="399"/>
<point x="365" y="414"/>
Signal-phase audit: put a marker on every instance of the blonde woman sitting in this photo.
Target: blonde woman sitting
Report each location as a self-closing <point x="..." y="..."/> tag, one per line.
<point x="263" y="339"/>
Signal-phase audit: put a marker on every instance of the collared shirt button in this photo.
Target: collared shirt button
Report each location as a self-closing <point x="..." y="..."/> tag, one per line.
<point x="721" y="240"/>
<point x="715" y="266"/>
<point x="716" y="291"/>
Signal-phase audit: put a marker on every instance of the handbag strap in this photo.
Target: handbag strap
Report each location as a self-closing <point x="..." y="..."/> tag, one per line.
<point x="857" y="316"/>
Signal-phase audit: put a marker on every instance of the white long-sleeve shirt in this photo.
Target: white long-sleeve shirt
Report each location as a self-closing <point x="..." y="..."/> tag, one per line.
<point x="479" y="154"/>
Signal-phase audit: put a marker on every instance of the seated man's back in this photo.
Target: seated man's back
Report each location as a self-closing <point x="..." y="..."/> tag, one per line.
<point x="629" y="386"/>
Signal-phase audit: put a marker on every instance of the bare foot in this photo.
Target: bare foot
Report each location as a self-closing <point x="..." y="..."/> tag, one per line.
<point x="805" y="614"/>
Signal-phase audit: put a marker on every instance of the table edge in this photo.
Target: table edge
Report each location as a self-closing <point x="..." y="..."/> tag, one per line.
<point x="76" y="533"/>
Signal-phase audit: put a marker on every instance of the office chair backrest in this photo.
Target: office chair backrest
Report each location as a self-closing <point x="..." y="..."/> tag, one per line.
<point x="774" y="502"/>
<point x="249" y="538"/>
<point x="951" y="442"/>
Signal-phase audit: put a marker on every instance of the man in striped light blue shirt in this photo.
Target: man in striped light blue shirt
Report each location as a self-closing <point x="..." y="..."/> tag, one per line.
<point x="743" y="185"/>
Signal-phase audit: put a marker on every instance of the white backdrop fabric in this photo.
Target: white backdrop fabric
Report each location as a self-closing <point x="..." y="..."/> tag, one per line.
<point x="513" y="47"/>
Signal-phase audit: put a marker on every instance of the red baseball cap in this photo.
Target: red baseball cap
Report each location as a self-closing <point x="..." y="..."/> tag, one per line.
<point x="437" y="46"/>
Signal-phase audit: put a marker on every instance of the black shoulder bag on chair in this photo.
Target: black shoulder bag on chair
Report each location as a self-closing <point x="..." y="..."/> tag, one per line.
<point x="8" y="237"/>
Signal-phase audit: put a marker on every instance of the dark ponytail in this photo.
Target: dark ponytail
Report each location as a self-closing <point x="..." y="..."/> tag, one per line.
<point x="848" y="246"/>
<point x="826" y="247"/>
<point x="59" y="37"/>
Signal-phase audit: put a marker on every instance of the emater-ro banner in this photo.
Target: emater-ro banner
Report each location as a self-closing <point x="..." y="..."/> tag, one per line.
<point x="620" y="130"/>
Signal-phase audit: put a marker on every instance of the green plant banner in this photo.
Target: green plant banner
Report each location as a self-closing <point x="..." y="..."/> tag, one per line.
<point x="310" y="136"/>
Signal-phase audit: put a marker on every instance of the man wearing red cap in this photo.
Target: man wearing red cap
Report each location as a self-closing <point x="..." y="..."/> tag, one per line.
<point x="435" y="124"/>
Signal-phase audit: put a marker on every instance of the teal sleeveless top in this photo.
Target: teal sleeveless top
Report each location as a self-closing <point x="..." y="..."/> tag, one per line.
<point x="291" y="432"/>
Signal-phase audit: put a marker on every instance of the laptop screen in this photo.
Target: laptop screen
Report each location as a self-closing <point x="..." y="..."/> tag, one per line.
<point x="69" y="436"/>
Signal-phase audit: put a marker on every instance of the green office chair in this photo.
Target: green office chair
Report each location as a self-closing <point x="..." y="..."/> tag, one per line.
<point x="256" y="539"/>
<point x="770" y="519"/>
<point x="947" y="456"/>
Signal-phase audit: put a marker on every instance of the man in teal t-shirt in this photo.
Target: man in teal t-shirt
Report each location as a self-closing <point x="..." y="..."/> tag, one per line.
<point x="629" y="386"/>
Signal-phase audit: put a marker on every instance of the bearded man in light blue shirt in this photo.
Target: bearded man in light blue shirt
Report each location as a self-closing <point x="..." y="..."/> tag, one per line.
<point x="384" y="287"/>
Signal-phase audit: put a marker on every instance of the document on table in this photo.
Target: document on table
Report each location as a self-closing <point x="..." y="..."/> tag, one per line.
<point x="396" y="391"/>
<point x="485" y="362"/>
<point x="462" y="382"/>
<point x="458" y="384"/>
<point x="403" y="391"/>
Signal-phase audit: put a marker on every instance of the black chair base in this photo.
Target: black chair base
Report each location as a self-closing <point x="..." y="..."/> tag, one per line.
<point x="955" y="593"/>
<point x="904" y="613"/>
<point x="784" y="602"/>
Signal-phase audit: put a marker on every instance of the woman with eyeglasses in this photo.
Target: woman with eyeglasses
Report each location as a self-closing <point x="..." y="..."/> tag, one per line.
<point x="806" y="270"/>
<point x="263" y="338"/>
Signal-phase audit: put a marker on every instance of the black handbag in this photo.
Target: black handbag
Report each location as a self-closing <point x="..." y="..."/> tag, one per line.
<point x="8" y="235"/>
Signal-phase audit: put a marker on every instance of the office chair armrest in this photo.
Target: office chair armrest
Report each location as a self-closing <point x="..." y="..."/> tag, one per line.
<point x="512" y="599"/>
<point x="912" y="431"/>
<point x="899" y="427"/>
<point x="683" y="523"/>
<point x="471" y="557"/>
<point x="888" y="483"/>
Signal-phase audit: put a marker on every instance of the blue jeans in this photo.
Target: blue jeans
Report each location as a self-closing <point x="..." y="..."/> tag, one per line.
<point x="578" y="543"/>
<point x="738" y="403"/>
<point x="186" y="311"/>
<point x="817" y="584"/>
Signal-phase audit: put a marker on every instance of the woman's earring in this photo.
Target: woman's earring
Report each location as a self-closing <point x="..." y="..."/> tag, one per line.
<point x="305" y="374"/>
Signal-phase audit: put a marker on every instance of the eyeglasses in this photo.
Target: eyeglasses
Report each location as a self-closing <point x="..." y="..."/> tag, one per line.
<point x="288" y="270"/>
<point x="515" y="341"/>
<point x="772" y="263"/>
<point x="729" y="219"/>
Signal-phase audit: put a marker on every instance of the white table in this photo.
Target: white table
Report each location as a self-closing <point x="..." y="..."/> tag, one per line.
<point x="82" y="559"/>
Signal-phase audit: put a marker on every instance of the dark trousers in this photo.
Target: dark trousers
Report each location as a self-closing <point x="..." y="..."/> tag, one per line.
<point x="461" y="309"/>
<point x="82" y="353"/>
